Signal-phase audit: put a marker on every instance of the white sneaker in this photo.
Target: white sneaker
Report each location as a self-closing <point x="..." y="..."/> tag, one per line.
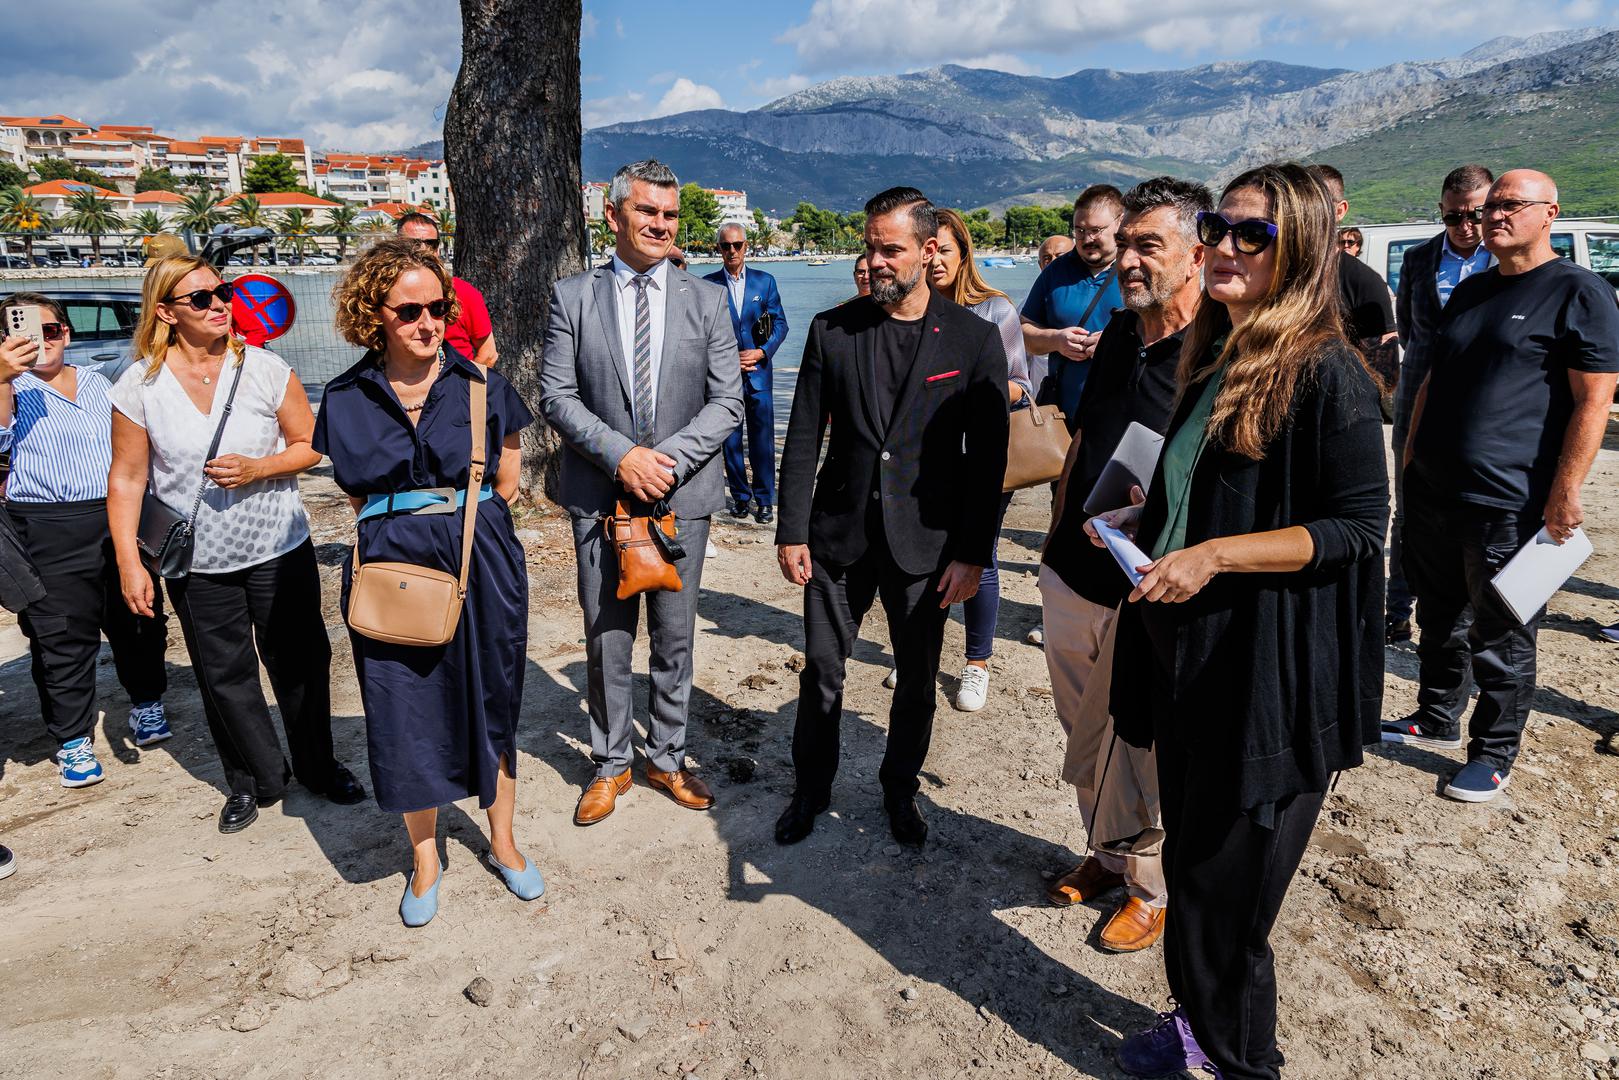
<point x="711" y="551"/>
<point x="1037" y="636"/>
<point x="974" y="688"/>
<point x="891" y="680"/>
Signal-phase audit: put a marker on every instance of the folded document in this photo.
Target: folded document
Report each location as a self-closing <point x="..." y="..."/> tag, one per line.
<point x="1538" y="570"/>
<point x="1123" y="548"/>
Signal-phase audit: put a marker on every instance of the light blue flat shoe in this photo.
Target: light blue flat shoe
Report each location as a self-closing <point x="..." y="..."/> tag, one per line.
<point x="419" y="910"/>
<point x="525" y="884"/>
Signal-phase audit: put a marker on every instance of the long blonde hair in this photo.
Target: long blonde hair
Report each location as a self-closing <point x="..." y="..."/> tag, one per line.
<point x="970" y="287"/>
<point x="153" y="336"/>
<point x="1269" y="356"/>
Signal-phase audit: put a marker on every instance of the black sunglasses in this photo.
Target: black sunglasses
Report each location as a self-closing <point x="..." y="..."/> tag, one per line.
<point x="1456" y="217"/>
<point x="1249" y="237"/>
<point x="431" y="245"/>
<point x="409" y="313"/>
<point x="203" y="299"/>
<point x="53" y="331"/>
<point x="731" y="245"/>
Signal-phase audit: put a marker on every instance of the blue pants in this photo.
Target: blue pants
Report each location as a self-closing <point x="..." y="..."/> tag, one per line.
<point x="979" y="611"/>
<point x="759" y="421"/>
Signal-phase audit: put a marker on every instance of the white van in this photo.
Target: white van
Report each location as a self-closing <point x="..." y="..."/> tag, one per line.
<point x="1591" y="242"/>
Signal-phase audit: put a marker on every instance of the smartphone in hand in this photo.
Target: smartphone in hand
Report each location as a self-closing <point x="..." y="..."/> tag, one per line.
<point x="24" y="321"/>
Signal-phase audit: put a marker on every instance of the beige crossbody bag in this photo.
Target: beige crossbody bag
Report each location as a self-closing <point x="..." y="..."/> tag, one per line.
<point x="406" y="604"/>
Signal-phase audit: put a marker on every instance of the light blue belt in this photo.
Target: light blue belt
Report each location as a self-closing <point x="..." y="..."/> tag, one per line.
<point x="423" y="501"/>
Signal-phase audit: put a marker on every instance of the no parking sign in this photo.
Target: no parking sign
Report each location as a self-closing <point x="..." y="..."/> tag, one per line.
<point x="262" y="308"/>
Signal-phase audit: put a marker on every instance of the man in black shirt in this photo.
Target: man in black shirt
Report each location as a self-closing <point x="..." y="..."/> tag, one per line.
<point x="1132" y="379"/>
<point x="1503" y="434"/>
<point x="1368" y="306"/>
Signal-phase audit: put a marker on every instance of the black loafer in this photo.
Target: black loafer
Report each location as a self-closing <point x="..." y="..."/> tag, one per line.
<point x="905" y="822"/>
<point x="240" y="811"/>
<point x="737" y="509"/>
<point x="798" y="820"/>
<point x="764" y="515"/>
<point x="1398" y="630"/>
<point x="343" y="789"/>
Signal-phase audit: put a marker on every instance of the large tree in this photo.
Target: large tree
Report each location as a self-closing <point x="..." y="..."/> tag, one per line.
<point x="273" y="172"/>
<point x="89" y="214"/>
<point x="699" y="216"/>
<point x="511" y="141"/>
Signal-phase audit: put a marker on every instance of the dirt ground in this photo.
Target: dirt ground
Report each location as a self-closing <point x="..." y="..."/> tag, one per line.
<point x="1422" y="938"/>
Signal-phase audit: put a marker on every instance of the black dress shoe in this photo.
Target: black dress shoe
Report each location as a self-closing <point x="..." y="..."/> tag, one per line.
<point x="240" y="812"/>
<point x="905" y="822"/>
<point x="1398" y="630"/>
<point x="798" y="820"/>
<point x="764" y="515"/>
<point x="738" y="509"/>
<point x="343" y="789"/>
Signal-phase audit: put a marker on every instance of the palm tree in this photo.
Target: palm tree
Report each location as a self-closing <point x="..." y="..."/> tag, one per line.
<point x="23" y="214"/>
<point x="89" y="214"/>
<point x="762" y="237"/>
<point x="247" y="212"/>
<point x="200" y="211"/>
<point x="296" y="226"/>
<point x="601" y="235"/>
<point x="340" y="223"/>
<point x="444" y="217"/>
<point x="148" y="223"/>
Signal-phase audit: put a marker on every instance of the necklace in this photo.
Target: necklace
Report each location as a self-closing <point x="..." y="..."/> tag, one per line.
<point x="420" y="405"/>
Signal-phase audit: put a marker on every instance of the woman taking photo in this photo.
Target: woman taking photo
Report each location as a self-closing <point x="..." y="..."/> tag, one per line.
<point x="1251" y="653"/>
<point x="253" y="593"/>
<point x="56" y="423"/>
<point x="441" y="721"/>
<point x="955" y="275"/>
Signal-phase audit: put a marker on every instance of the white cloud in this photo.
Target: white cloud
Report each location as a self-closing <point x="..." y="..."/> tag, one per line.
<point x="685" y="95"/>
<point x="618" y="27"/>
<point x="779" y="86"/>
<point x="599" y="112"/>
<point x="588" y="25"/>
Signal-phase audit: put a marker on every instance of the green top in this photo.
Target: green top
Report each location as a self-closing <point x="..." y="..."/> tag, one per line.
<point x="1180" y="461"/>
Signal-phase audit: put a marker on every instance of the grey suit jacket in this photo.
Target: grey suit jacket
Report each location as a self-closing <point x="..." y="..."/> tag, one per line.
<point x="585" y="390"/>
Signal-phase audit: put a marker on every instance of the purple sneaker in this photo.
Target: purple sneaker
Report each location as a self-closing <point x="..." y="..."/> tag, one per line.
<point x="1165" y="1049"/>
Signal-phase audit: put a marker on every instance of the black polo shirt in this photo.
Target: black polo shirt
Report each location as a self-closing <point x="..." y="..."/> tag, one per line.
<point x="1128" y="382"/>
<point x="1368" y="307"/>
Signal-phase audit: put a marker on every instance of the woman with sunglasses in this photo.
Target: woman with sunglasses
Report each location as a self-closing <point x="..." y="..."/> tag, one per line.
<point x="56" y="423"/>
<point x="1250" y="653"/>
<point x="441" y="722"/>
<point x="253" y="593"/>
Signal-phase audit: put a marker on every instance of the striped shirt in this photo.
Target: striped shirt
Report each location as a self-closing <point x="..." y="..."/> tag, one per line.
<point x="61" y="450"/>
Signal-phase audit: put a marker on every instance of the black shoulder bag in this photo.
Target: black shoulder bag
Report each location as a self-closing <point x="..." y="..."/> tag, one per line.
<point x="164" y="537"/>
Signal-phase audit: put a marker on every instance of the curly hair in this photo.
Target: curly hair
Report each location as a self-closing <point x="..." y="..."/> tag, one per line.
<point x="357" y="297"/>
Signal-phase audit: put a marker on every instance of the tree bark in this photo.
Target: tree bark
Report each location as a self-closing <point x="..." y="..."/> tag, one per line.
<point x="511" y="144"/>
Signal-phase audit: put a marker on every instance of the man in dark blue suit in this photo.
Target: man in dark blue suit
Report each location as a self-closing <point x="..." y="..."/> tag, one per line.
<point x="761" y="327"/>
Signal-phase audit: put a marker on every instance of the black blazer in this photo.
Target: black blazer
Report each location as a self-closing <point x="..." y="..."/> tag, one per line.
<point x="1416" y="314"/>
<point x="932" y="477"/>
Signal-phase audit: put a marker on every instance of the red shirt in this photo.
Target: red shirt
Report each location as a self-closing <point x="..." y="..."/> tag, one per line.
<point x="467" y="332"/>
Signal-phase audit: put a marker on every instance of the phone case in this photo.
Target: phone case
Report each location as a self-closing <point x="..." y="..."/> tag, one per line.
<point x="25" y="322"/>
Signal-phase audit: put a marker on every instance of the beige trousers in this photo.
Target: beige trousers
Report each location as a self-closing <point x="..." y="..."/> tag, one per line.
<point x="1125" y="824"/>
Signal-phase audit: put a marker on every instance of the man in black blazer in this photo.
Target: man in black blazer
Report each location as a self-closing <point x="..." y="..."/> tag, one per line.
<point x="914" y="389"/>
<point x="1427" y="275"/>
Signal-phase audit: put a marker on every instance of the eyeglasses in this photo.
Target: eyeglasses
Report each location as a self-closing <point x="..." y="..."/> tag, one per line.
<point x="53" y="331"/>
<point x="430" y="243"/>
<point x="1453" y="218"/>
<point x="1349" y="243"/>
<point x="203" y="299"/>
<point x="731" y="245"/>
<point x="409" y="313"/>
<point x="1508" y="207"/>
<point x="1249" y="237"/>
<point x="1079" y="233"/>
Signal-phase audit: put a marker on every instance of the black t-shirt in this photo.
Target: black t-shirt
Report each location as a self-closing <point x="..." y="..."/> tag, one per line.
<point x="896" y="347"/>
<point x="1368" y="308"/>
<point x="1499" y="402"/>
<point x="1128" y="382"/>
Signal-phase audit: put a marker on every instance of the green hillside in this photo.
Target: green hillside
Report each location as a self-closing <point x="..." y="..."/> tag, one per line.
<point x="1573" y="134"/>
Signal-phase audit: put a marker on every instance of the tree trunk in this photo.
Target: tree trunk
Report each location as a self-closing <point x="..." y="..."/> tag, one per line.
<point x="511" y="144"/>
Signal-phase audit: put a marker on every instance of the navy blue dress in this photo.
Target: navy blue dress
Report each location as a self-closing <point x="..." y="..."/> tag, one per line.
<point x="439" y="719"/>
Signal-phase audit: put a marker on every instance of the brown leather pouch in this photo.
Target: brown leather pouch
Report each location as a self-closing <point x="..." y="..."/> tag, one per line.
<point x="646" y="547"/>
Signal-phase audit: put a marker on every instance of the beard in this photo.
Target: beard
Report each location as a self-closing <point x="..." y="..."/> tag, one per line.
<point x="1151" y="292"/>
<point x="887" y="288"/>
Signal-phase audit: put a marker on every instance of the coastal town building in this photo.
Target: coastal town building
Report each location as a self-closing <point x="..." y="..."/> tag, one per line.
<point x="370" y="178"/>
<point x="733" y="207"/>
<point x="278" y="202"/>
<point x="54" y="196"/>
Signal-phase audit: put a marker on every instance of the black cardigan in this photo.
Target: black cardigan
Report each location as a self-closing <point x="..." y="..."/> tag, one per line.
<point x="1277" y="678"/>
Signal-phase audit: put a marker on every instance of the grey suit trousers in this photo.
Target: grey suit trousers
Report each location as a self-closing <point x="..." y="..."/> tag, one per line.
<point x="610" y="630"/>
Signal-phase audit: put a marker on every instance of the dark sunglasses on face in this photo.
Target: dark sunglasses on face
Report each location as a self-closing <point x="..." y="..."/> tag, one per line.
<point x="431" y="244"/>
<point x="1452" y="218"/>
<point x="53" y="331"/>
<point x="409" y="313"/>
<point x="731" y="245"/>
<point x="203" y="299"/>
<point x="1249" y="237"/>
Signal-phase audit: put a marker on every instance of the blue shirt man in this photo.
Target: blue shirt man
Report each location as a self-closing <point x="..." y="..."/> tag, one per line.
<point x="1455" y="268"/>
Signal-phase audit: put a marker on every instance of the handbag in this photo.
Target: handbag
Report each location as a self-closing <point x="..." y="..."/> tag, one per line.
<point x="763" y="327"/>
<point x="1037" y="444"/>
<point x="646" y="546"/>
<point x="405" y="604"/>
<point x="165" y="539"/>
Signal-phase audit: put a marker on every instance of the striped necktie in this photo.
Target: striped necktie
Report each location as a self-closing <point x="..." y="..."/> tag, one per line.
<point x="643" y="361"/>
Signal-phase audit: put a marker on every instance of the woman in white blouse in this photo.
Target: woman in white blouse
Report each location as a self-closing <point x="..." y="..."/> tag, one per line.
<point x="253" y="593"/>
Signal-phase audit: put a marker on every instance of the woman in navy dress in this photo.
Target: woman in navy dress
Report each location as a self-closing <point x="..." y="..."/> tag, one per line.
<point x="441" y="721"/>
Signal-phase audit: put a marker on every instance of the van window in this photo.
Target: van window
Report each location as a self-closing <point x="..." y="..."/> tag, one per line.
<point x="1563" y="244"/>
<point x="1397" y="250"/>
<point x="1604" y="248"/>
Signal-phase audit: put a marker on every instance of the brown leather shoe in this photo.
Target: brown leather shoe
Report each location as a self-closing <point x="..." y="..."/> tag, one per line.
<point x="600" y="797"/>
<point x="1086" y="881"/>
<point x="1135" y="926"/>
<point x="682" y="787"/>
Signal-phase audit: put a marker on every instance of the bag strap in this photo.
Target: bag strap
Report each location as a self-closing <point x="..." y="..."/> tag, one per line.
<point x="213" y="447"/>
<point x="1097" y="299"/>
<point x="478" y="394"/>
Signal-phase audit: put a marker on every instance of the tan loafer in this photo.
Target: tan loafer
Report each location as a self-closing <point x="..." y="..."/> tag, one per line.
<point x="1135" y="926"/>
<point x="682" y="787"/>
<point x="1086" y="881"/>
<point x="600" y="797"/>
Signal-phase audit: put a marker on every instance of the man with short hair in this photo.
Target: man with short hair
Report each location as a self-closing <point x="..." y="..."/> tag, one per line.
<point x="1132" y="380"/>
<point x="1368" y="306"/>
<point x="1428" y="275"/>
<point x="1053" y="247"/>
<point x="1503" y="433"/>
<point x="761" y="326"/>
<point x="914" y="390"/>
<point x="1072" y="300"/>
<point x="472" y="333"/>
<point x="640" y="379"/>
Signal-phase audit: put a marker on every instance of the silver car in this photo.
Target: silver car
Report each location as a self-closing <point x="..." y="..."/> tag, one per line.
<point x="103" y="323"/>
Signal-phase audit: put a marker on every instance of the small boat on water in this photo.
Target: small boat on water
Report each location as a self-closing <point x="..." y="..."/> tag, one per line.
<point x="818" y="261"/>
<point x="999" y="261"/>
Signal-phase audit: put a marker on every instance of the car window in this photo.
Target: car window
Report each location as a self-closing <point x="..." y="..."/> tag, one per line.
<point x="1604" y="248"/>
<point x="1396" y="260"/>
<point x="1563" y="244"/>
<point x="101" y="320"/>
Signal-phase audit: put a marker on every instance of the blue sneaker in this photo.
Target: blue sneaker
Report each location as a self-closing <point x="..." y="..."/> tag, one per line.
<point x="1168" y="1048"/>
<point x="525" y="884"/>
<point x="1478" y="781"/>
<point x="419" y="910"/>
<point x="8" y="862"/>
<point x="77" y="763"/>
<point x="148" y="724"/>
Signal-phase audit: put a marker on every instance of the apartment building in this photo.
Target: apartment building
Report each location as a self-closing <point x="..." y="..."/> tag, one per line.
<point x="54" y="196"/>
<point x="294" y="149"/>
<point x="594" y="193"/>
<point x="733" y="207"/>
<point x="43" y="136"/>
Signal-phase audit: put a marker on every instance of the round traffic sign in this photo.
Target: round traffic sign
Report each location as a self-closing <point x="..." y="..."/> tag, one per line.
<point x="262" y="308"/>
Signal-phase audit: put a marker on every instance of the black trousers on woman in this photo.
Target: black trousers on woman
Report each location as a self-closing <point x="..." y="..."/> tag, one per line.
<point x="71" y="549"/>
<point x="1227" y="873"/>
<point x="270" y="613"/>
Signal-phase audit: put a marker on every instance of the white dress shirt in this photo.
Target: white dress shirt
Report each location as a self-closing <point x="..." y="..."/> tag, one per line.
<point x="656" y="294"/>
<point x="739" y="289"/>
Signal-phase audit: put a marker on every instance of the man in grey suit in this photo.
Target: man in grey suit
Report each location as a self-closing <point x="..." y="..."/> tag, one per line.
<point x="640" y="380"/>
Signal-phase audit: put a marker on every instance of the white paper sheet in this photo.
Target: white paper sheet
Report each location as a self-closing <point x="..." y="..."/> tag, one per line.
<point x="1538" y="570"/>
<point x="1123" y="549"/>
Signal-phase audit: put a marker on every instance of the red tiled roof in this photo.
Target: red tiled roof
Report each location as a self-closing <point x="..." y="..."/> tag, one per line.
<point x="127" y="129"/>
<point x="724" y="191"/>
<point x="179" y="147"/>
<point x="165" y="198"/>
<point x="69" y="188"/>
<point x="283" y="146"/>
<point x="56" y="122"/>
<point x="395" y="209"/>
<point x="103" y="136"/>
<point x="233" y="143"/>
<point x="274" y="199"/>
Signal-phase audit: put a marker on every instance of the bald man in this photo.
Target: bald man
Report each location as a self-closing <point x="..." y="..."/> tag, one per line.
<point x="1053" y="247"/>
<point x="1503" y="433"/>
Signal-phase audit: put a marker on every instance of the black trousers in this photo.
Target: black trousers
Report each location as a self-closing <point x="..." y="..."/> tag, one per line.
<point x="1227" y="875"/>
<point x="1451" y="551"/>
<point x="835" y="603"/>
<point x="72" y="550"/>
<point x="274" y="606"/>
